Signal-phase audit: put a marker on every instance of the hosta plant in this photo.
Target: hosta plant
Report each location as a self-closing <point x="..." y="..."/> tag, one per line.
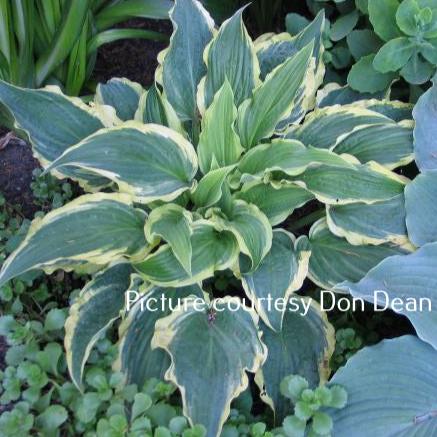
<point x="201" y="174"/>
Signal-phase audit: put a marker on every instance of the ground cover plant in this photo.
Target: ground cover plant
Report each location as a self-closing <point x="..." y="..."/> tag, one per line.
<point x="193" y="187"/>
<point x="56" y="41"/>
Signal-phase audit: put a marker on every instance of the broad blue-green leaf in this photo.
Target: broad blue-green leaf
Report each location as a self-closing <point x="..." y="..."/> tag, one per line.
<point x="393" y="55"/>
<point x="381" y="222"/>
<point x="280" y="273"/>
<point x="43" y="114"/>
<point x="382" y="14"/>
<point x="303" y="347"/>
<point x="388" y="144"/>
<point x="230" y="56"/>
<point x="95" y="228"/>
<point x="122" y="94"/>
<point x="334" y="94"/>
<point x="400" y="395"/>
<point x="172" y="223"/>
<point x="417" y="70"/>
<point x="226" y="343"/>
<point x="209" y="190"/>
<point x="251" y="229"/>
<point x="136" y="358"/>
<point x="323" y="127"/>
<point x="421" y="207"/>
<point x="212" y="250"/>
<point x="183" y="66"/>
<point x="97" y="306"/>
<point x="425" y="130"/>
<point x="219" y="144"/>
<point x="394" y="109"/>
<point x="343" y="25"/>
<point x="418" y="18"/>
<point x="149" y="162"/>
<point x="406" y="284"/>
<point x="363" y="42"/>
<point x="273" y="100"/>
<point x="334" y="260"/>
<point x="288" y="156"/>
<point x="276" y="200"/>
<point x="340" y="185"/>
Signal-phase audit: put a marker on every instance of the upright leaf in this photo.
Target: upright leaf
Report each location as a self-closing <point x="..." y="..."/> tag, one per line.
<point x="113" y="228"/>
<point x="280" y="273"/>
<point x="274" y="99"/>
<point x="382" y="14"/>
<point x="149" y="162"/>
<point x="209" y="337"/>
<point x="183" y="66"/>
<point x="400" y="393"/>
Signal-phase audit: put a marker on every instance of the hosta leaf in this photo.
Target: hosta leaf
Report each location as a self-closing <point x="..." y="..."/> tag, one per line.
<point x="212" y="250"/>
<point x="122" y="94"/>
<point x="154" y="108"/>
<point x="97" y="306"/>
<point x="339" y="185"/>
<point x="41" y="114"/>
<point x="150" y="162"/>
<point x="324" y="126"/>
<point x="274" y="99"/>
<point x="136" y="358"/>
<point x="276" y="200"/>
<point x="209" y="337"/>
<point x="421" y="207"/>
<point x="183" y="66"/>
<point x="394" y="109"/>
<point x="219" y="144"/>
<point x="400" y="395"/>
<point x="403" y="282"/>
<point x="280" y="273"/>
<point x="380" y="222"/>
<point x="288" y="156"/>
<point x="425" y="130"/>
<point x="61" y="240"/>
<point x="230" y="56"/>
<point x="303" y="347"/>
<point x="251" y="229"/>
<point x="382" y="14"/>
<point x="334" y="260"/>
<point x="388" y="144"/>
<point x="334" y="94"/>
<point x="209" y="190"/>
<point x="173" y="224"/>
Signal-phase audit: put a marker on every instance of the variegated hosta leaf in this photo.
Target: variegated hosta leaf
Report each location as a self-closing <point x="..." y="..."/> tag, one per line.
<point x="212" y="250"/>
<point x="425" y="131"/>
<point x="183" y="66"/>
<point x="136" y="359"/>
<point x="209" y="189"/>
<point x="388" y="144"/>
<point x="276" y="200"/>
<point x="274" y="50"/>
<point x="288" y="156"/>
<point x="226" y="343"/>
<point x="380" y="222"/>
<point x="154" y="108"/>
<point x="366" y="183"/>
<point x="150" y="162"/>
<point x="394" y="109"/>
<point x="122" y="94"/>
<point x="172" y="223"/>
<point x="303" y="347"/>
<point x="95" y="228"/>
<point x="230" y="56"/>
<point x="280" y="273"/>
<point x="324" y="126"/>
<point x="251" y="229"/>
<point x="219" y="144"/>
<point x="273" y="99"/>
<point x="97" y="306"/>
<point x="334" y="260"/>
<point x="42" y="115"/>
<point x="406" y="284"/>
<point x="421" y="207"/>
<point x="396" y="397"/>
